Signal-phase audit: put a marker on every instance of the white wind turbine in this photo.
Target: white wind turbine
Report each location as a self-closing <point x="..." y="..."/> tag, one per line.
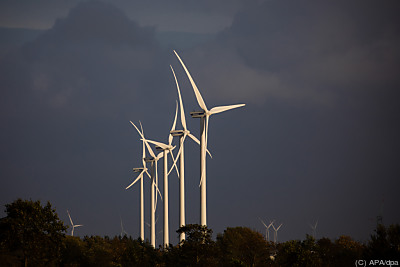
<point x="182" y="135"/>
<point x="166" y="148"/>
<point x="123" y="232"/>
<point x="314" y="229"/>
<point x="267" y="228"/>
<point x="154" y="185"/>
<point x="72" y="224"/>
<point x="204" y="115"/>
<point x="276" y="232"/>
<point x="142" y="170"/>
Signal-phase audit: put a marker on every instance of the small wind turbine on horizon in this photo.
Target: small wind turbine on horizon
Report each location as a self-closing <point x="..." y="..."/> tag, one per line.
<point x="123" y="232"/>
<point x="314" y="229"/>
<point x="72" y="224"/>
<point x="267" y="228"/>
<point x="204" y="115"/>
<point x="276" y="232"/>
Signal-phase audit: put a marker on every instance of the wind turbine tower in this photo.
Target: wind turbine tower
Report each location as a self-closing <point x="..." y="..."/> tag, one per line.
<point x="276" y="232"/>
<point x="204" y="116"/>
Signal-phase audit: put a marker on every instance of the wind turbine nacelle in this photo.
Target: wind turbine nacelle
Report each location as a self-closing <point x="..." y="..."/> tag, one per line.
<point x="197" y="114"/>
<point x="149" y="159"/>
<point x="138" y="169"/>
<point x="177" y="133"/>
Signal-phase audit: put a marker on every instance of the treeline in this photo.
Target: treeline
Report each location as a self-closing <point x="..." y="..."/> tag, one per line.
<point x="33" y="235"/>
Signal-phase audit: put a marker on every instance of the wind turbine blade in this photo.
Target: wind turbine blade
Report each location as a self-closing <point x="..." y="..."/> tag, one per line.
<point x="174" y="163"/>
<point x="173" y="125"/>
<point x="278" y="227"/>
<point x="263" y="223"/>
<point x="147" y="145"/>
<point x="183" y="119"/>
<point x="207" y="120"/>
<point x="137" y="179"/>
<point x="194" y="138"/>
<point x="199" y="98"/>
<point x="70" y="218"/>
<point x="178" y="155"/>
<point x="159" y="156"/>
<point x="78" y="225"/>
<point x="220" y="109"/>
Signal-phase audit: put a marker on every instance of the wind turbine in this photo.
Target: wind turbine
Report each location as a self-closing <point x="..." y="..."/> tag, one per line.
<point x="276" y="232"/>
<point x="154" y="185"/>
<point x="204" y="115"/>
<point x="166" y="148"/>
<point x="123" y="232"/>
<point x="267" y="228"/>
<point x="182" y="134"/>
<point x="314" y="229"/>
<point x="72" y="224"/>
<point x="140" y="177"/>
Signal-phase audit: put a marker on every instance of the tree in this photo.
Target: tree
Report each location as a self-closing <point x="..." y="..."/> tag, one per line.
<point x="241" y="246"/>
<point x="385" y="243"/>
<point x="32" y="232"/>
<point x="197" y="250"/>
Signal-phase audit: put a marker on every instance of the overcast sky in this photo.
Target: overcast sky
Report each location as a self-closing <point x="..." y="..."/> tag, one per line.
<point x="317" y="139"/>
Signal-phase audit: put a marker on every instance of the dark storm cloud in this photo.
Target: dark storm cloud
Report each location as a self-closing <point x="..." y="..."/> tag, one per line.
<point x="317" y="138"/>
<point x="305" y="50"/>
<point x="65" y="97"/>
<point x="87" y="63"/>
<point x="320" y="80"/>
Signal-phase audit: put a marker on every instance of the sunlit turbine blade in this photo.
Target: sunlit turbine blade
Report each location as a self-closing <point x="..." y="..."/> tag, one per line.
<point x="263" y="223"/>
<point x="78" y="225"/>
<point x="179" y="153"/>
<point x="70" y="218"/>
<point x="174" y="164"/>
<point x="278" y="227"/>
<point x="199" y="98"/>
<point x="137" y="179"/>
<point x="173" y="125"/>
<point x="183" y="119"/>
<point x="207" y="121"/>
<point x="194" y="138"/>
<point x="147" y="145"/>
<point x="220" y="109"/>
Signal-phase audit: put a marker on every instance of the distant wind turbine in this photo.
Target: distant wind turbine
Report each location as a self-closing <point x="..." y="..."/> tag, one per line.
<point x="276" y="232"/>
<point x="123" y="232"/>
<point x="72" y="224"/>
<point x="314" y="229"/>
<point x="204" y="115"/>
<point x="267" y="228"/>
<point x="154" y="185"/>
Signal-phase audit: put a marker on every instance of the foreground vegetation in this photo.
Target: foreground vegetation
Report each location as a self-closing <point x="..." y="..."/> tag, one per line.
<point x="33" y="235"/>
